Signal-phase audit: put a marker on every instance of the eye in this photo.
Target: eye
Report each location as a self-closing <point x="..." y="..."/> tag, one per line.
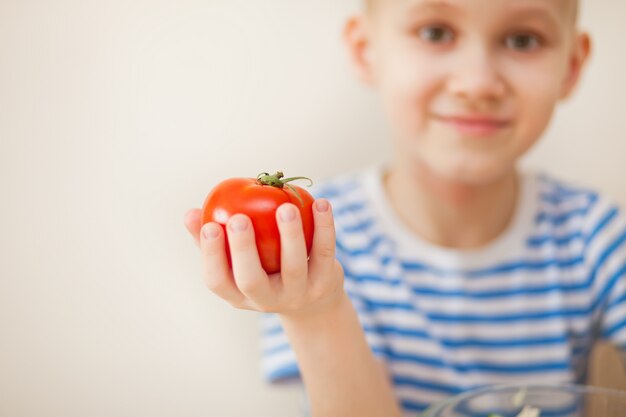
<point x="523" y="42"/>
<point x="436" y="34"/>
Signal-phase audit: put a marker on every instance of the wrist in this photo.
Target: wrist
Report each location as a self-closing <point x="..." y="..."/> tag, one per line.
<point x="327" y="310"/>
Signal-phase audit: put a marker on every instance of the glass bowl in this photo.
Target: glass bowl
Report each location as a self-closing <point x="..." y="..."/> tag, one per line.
<point x="551" y="400"/>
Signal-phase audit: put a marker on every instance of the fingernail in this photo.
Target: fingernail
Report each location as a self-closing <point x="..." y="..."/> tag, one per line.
<point x="287" y="213"/>
<point x="321" y="205"/>
<point x="209" y="231"/>
<point x="238" y="224"/>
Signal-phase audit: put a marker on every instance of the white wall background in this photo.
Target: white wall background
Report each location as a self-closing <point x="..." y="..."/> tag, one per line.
<point x="118" y="116"/>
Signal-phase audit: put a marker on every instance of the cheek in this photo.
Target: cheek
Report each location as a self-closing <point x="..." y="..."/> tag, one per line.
<point x="537" y="96"/>
<point x="540" y="84"/>
<point x="537" y="116"/>
<point x="537" y="88"/>
<point x="407" y="87"/>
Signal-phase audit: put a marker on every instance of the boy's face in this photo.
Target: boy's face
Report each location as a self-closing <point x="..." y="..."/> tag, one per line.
<point x="468" y="85"/>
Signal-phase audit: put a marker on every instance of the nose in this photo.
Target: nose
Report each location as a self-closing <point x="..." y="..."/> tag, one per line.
<point x="476" y="77"/>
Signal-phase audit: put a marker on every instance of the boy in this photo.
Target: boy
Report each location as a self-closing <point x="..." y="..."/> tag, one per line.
<point x="447" y="268"/>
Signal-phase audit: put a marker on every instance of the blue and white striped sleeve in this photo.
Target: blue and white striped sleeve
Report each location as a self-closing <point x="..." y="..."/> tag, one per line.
<point x="278" y="361"/>
<point x="610" y="272"/>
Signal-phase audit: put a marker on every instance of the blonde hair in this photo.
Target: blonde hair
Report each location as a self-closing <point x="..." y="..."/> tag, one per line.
<point x="369" y="6"/>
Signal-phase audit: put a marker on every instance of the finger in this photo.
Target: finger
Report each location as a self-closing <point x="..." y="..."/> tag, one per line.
<point x="322" y="258"/>
<point x="216" y="271"/>
<point x="192" y="223"/>
<point x="249" y="276"/>
<point x="293" y="254"/>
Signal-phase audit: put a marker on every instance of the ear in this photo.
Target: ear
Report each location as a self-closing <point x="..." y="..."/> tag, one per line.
<point x="356" y="36"/>
<point x="578" y="58"/>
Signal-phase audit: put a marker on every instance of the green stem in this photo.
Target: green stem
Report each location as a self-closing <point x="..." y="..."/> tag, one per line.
<point x="286" y="180"/>
<point x="278" y="181"/>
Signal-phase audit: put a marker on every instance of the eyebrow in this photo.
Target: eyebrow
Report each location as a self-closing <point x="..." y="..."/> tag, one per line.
<point x="533" y="11"/>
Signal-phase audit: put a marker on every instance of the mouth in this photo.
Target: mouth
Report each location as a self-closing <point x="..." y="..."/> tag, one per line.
<point x="475" y="126"/>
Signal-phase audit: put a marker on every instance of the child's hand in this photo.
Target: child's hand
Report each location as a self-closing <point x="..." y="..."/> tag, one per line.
<point x="302" y="287"/>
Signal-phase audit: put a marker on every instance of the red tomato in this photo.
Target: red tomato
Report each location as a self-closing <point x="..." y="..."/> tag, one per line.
<point x="258" y="198"/>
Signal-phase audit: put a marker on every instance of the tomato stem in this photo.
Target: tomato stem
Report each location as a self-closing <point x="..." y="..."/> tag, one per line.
<point x="278" y="181"/>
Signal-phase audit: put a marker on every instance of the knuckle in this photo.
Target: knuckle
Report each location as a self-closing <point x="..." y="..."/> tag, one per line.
<point x="212" y="250"/>
<point x="250" y="286"/>
<point x="215" y="284"/>
<point x="317" y="293"/>
<point x="293" y="306"/>
<point x="324" y="223"/>
<point x="292" y="272"/>
<point x="339" y="269"/>
<point x="320" y="288"/>
<point x="241" y="243"/>
<point x="210" y="247"/>
<point x="266" y="308"/>
<point x="326" y="251"/>
<point x="293" y="302"/>
<point x="240" y="304"/>
<point x="291" y="231"/>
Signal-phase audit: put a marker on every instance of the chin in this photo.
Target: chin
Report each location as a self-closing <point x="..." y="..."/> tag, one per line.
<point x="472" y="171"/>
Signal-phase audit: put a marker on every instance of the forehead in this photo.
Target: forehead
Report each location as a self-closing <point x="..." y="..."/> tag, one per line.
<point x="567" y="9"/>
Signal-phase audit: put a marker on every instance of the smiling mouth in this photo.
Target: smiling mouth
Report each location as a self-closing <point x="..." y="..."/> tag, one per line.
<point x="475" y="126"/>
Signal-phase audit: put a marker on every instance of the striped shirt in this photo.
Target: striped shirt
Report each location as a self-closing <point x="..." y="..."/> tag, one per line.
<point x="525" y="308"/>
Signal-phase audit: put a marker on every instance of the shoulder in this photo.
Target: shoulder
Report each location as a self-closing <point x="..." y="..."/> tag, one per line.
<point x="590" y="221"/>
<point x="352" y="196"/>
<point x="340" y="186"/>
<point x="562" y="195"/>
<point x="347" y="193"/>
<point x="566" y="204"/>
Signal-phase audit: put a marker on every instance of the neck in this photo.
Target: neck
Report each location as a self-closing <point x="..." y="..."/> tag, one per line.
<point x="449" y="213"/>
